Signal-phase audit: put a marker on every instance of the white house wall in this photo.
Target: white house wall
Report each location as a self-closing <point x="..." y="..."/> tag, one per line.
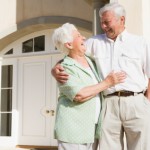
<point x="34" y="8"/>
<point x="7" y="10"/>
<point x="146" y="18"/>
<point x="17" y="11"/>
<point x="133" y="15"/>
<point x="138" y="16"/>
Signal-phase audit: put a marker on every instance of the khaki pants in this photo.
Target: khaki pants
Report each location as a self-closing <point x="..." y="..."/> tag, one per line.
<point x="71" y="146"/>
<point x="129" y="115"/>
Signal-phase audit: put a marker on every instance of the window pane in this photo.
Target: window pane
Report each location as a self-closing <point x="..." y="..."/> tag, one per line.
<point x="39" y="43"/>
<point x="7" y="73"/>
<point x="5" y="124"/>
<point x="9" y="52"/>
<point x="27" y="46"/>
<point x="6" y="100"/>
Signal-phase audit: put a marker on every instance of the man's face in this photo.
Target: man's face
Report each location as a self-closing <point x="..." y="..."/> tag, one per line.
<point x="111" y="24"/>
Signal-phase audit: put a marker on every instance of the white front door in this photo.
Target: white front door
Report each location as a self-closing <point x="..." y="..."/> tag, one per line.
<point x="37" y="100"/>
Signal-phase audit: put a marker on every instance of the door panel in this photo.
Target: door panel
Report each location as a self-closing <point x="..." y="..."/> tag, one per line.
<point x="37" y="100"/>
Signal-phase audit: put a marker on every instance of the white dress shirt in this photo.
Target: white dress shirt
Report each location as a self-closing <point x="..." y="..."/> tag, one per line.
<point x="129" y="53"/>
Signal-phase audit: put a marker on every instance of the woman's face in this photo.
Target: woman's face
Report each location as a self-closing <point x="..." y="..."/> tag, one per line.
<point x="78" y="42"/>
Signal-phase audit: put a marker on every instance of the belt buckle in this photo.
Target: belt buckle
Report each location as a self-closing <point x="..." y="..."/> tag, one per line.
<point x="119" y="93"/>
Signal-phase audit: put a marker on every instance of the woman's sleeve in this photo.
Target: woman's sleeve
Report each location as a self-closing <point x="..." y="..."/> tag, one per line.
<point x="73" y="85"/>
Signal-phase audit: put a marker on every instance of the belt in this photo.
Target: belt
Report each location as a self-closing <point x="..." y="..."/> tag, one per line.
<point x="124" y="93"/>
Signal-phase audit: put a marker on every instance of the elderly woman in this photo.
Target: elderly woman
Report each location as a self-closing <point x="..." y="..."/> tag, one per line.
<point x="79" y="105"/>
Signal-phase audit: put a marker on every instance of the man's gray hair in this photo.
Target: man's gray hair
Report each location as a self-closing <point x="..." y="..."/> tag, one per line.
<point x="115" y="7"/>
<point x="63" y="35"/>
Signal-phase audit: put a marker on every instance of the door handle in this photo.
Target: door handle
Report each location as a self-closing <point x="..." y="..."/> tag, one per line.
<point x="52" y="112"/>
<point x="47" y="111"/>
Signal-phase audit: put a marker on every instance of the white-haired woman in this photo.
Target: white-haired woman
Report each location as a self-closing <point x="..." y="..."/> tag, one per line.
<point x="78" y="111"/>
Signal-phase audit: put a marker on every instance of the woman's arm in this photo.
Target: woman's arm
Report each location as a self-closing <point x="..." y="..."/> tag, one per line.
<point x="88" y="92"/>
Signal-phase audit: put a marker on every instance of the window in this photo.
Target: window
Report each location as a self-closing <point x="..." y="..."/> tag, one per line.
<point x="27" y="46"/>
<point x="39" y="43"/>
<point x="6" y="100"/>
<point x="9" y="52"/>
<point x="36" y="44"/>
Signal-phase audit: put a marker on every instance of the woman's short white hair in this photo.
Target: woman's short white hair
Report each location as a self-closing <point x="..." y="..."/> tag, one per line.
<point x="63" y="35"/>
<point x="115" y="7"/>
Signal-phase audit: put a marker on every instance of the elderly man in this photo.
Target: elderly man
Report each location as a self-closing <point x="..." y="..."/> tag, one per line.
<point x="126" y="108"/>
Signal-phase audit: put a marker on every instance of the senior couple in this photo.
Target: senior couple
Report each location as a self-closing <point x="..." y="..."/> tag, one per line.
<point x="102" y="83"/>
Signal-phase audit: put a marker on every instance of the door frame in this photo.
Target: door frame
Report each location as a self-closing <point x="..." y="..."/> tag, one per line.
<point x="11" y="140"/>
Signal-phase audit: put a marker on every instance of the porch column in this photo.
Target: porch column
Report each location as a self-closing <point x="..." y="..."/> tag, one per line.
<point x="97" y="4"/>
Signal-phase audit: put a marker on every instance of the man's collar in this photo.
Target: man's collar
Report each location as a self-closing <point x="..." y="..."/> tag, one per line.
<point x="120" y="37"/>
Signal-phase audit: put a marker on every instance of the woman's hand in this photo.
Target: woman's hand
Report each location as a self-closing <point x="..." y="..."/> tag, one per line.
<point x="115" y="78"/>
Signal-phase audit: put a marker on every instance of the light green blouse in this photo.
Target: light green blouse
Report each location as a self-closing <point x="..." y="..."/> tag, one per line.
<point x="75" y="122"/>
